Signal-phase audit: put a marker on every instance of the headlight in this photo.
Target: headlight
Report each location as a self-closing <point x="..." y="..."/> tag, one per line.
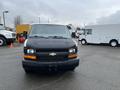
<point x="72" y="50"/>
<point x="8" y="35"/>
<point x="30" y="51"/>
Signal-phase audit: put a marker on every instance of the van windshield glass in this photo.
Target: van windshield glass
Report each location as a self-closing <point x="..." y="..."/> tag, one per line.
<point x="55" y="31"/>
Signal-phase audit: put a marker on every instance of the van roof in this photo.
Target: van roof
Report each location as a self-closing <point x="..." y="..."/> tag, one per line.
<point x="102" y="25"/>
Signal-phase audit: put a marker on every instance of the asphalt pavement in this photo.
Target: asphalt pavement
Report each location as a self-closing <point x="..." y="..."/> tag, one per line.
<point x="99" y="70"/>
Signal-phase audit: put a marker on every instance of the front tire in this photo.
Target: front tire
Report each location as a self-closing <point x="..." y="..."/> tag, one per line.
<point x="113" y="43"/>
<point x="83" y="42"/>
<point x="2" y="41"/>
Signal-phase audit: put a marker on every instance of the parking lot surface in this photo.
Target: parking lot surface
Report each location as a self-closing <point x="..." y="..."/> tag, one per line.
<point x="99" y="70"/>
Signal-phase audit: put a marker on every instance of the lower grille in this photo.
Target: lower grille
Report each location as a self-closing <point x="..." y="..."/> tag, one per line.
<point x="13" y="35"/>
<point x="51" y="50"/>
<point x="44" y="55"/>
<point x="52" y="58"/>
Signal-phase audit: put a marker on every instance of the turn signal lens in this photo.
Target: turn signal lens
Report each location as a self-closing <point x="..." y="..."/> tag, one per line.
<point x="30" y="57"/>
<point x="71" y="56"/>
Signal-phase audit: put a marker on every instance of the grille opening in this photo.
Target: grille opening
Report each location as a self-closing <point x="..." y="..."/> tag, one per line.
<point x="52" y="50"/>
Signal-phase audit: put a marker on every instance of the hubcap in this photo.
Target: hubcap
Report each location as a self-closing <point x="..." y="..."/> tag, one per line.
<point x="1" y="42"/>
<point x="83" y="42"/>
<point x="113" y="44"/>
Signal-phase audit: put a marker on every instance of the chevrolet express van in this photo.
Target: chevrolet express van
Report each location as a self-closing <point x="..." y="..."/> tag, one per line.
<point x="49" y="47"/>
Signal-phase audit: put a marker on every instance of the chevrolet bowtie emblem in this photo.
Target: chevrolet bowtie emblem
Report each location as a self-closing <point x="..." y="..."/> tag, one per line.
<point x="52" y="54"/>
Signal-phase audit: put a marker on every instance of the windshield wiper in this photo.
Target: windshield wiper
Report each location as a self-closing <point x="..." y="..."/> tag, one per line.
<point x="57" y="37"/>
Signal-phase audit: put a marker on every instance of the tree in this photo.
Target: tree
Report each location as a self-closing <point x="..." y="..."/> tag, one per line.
<point x="17" y="20"/>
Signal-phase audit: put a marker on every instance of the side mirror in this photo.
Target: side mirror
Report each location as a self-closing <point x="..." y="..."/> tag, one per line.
<point x="73" y="35"/>
<point x="69" y="27"/>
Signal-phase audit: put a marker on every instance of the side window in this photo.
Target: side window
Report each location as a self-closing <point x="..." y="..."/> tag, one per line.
<point x="88" y="31"/>
<point x="82" y="31"/>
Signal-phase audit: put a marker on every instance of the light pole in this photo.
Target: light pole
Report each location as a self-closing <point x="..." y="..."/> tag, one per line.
<point x="4" y="17"/>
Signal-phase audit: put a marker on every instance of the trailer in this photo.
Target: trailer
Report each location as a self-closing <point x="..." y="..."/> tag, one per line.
<point x="101" y="34"/>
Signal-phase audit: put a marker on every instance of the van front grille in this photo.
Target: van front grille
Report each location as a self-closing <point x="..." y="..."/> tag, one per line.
<point x="52" y="59"/>
<point x="45" y="56"/>
<point x="52" y="50"/>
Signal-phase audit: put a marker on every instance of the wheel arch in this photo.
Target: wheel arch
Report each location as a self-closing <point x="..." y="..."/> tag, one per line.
<point x="4" y="40"/>
<point x="113" y="40"/>
<point x="83" y="39"/>
<point x="3" y="36"/>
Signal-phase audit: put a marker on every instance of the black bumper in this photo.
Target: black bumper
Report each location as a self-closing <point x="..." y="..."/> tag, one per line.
<point x="51" y="66"/>
<point x="11" y="40"/>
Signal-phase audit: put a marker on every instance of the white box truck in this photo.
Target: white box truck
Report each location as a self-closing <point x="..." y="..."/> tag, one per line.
<point x="6" y="37"/>
<point x="99" y="34"/>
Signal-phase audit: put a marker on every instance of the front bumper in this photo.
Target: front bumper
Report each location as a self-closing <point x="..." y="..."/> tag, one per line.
<point x="11" y="40"/>
<point x="51" y="66"/>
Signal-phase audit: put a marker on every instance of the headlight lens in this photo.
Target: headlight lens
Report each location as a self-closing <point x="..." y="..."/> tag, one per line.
<point x="72" y="50"/>
<point x="9" y="35"/>
<point x="30" y="51"/>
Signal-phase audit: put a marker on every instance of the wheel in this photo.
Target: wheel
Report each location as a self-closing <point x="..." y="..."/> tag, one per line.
<point x="2" y="41"/>
<point x="113" y="43"/>
<point x="83" y="42"/>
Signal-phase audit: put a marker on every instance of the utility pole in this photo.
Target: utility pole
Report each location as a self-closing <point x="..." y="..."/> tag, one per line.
<point x="4" y="18"/>
<point x="0" y="20"/>
<point x="48" y="20"/>
<point x="39" y="20"/>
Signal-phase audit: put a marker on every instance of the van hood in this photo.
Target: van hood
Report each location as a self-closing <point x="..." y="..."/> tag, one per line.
<point x="6" y="31"/>
<point x="38" y="43"/>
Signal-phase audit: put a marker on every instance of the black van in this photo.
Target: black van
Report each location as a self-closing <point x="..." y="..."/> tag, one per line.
<point x="49" y="47"/>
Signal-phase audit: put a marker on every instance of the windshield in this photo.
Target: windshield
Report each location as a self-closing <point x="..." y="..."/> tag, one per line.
<point x="50" y="31"/>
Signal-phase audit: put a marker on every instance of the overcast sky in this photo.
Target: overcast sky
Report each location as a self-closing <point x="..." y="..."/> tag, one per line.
<point x="63" y="11"/>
